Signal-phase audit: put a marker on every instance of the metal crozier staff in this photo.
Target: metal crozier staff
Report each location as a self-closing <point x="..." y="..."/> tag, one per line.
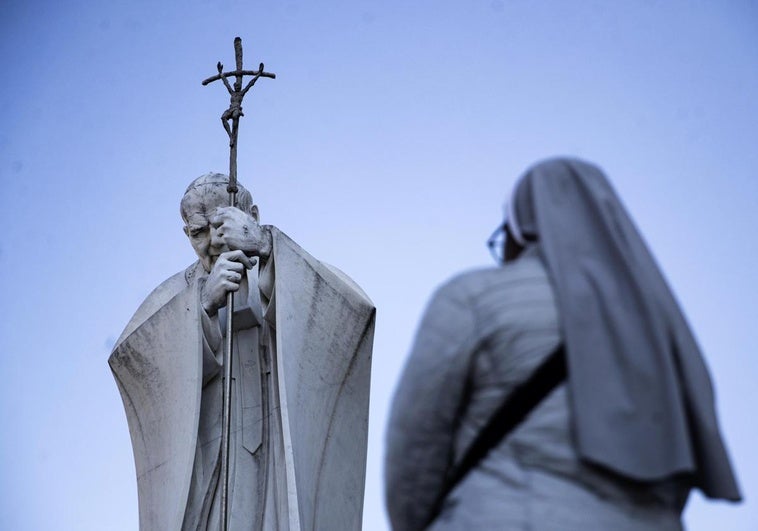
<point x="233" y="115"/>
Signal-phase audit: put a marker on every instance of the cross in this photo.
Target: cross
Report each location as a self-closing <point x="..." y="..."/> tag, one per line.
<point x="234" y="112"/>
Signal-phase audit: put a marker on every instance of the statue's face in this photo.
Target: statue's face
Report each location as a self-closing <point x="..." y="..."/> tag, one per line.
<point x="199" y="207"/>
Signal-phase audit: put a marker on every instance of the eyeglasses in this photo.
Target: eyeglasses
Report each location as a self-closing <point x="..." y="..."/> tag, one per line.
<point x="496" y="243"/>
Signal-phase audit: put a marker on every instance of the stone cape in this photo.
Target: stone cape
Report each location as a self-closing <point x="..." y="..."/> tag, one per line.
<point x="317" y="326"/>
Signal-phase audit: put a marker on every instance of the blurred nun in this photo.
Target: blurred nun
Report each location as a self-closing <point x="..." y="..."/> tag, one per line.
<point x="618" y="439"/>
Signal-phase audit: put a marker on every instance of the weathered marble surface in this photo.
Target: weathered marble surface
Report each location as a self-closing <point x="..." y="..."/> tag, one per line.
<point x="301" y="384"/>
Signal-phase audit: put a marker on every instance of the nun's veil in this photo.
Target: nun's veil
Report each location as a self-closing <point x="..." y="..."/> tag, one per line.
<point x="641" y="397"/>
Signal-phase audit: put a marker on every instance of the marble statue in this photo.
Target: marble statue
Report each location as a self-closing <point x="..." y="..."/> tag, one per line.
<point x="300" y="387"/>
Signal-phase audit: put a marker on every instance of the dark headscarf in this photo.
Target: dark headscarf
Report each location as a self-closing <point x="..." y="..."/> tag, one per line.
<point x="640" y="393"/>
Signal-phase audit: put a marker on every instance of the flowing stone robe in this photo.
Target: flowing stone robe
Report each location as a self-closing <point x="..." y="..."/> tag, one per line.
<point x="300" y="399"/>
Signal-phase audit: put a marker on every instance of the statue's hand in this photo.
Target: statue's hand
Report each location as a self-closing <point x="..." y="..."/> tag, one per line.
<point x="225" y="276"/>
<point x="241" y="231"/>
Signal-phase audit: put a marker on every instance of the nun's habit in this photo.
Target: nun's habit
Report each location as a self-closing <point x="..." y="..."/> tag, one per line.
<point x="621" y="442"/>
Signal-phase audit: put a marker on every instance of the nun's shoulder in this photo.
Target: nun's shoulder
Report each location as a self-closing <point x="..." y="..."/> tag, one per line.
<point x="469" y="278"/>
<point x="470" y="283"/>
<point x="473" y="283"/>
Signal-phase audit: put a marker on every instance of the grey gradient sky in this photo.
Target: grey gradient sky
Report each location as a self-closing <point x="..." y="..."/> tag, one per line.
<point x="386" y="146"/>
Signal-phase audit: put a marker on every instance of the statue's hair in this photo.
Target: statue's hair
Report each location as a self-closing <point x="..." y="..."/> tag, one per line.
<point x="216" y="180"/>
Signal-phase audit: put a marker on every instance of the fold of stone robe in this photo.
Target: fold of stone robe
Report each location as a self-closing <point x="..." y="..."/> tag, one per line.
<point x="300" y="399"/>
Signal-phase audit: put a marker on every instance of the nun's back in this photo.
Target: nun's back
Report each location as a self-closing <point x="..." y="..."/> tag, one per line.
<point x="533" y="479"/>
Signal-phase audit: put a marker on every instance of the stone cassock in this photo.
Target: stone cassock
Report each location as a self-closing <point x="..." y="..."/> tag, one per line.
<point x="302" y="360"/>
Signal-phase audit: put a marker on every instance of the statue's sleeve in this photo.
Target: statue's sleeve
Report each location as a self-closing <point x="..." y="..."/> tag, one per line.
<point x="425" y="410"/>
<point x="158" y="368"/>
<point x="324" y="325"/>
<point x="212" y="339"/>
<point x="297" y="268"/>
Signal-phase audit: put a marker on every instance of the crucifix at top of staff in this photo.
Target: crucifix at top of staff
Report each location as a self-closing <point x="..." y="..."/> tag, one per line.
<point x="233" y="115"/>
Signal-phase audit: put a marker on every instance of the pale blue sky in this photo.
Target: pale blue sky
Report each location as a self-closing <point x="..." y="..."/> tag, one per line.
<point x="385" y="146"/>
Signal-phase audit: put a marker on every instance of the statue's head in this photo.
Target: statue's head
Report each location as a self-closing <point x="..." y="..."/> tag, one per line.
<point x="201" y="199"/>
